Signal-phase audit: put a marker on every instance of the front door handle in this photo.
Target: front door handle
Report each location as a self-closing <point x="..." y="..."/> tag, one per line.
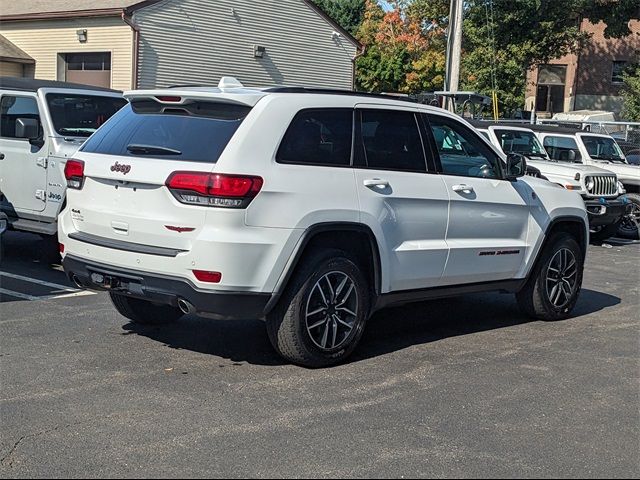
<point x="376" y="183"/>
<point x="1" y="156"/>
<point x="463" y="188"/>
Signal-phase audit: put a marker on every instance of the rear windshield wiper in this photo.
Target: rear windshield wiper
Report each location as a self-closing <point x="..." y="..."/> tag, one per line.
<point x="152" y="150"/>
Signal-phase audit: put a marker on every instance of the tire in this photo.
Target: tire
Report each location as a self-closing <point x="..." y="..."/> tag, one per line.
<point x="50" y="250"/>
<point x="538" y="299"/>
<point x="143" y="312"/>
<point x="630" y="225"/>
<point x="301" y="341"/>
<point x="605" y="232"/>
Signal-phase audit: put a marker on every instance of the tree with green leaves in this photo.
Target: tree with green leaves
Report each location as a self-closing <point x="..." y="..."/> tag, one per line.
<point x="348" y="13"/>
<point x="401" y="54"/>
<point x="631" y="93"/>
<point x="503" y="39"/>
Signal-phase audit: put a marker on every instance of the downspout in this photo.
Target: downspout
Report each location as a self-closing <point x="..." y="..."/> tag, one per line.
<point x="359" y="54"/>
<point x="126" y="18"/>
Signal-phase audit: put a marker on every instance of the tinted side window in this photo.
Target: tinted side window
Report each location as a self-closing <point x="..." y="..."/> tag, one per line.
<point x="318" y="137"/>
<point x="391" y="141"/>
<point x="560" y="148"/>
<point x="12" y="108"/>
<point x="461" y="151"/>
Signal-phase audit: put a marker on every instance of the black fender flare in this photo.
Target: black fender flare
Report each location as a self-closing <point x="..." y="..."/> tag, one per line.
<point x="305" y="239"/>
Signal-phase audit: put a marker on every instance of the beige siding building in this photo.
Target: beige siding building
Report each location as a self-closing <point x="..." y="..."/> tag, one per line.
<point x="125" y="44"/>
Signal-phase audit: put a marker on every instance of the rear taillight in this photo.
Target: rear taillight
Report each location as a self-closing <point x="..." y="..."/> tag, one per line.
<point x="61" y="247"/>
<point x="214" y="190"/>
<point x="74" y="173"/>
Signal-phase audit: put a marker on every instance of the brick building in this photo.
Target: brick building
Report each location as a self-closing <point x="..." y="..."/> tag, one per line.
<point x="589" y="80"/>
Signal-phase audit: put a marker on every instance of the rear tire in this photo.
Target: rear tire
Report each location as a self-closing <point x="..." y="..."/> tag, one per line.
<point x="144" y="312"/>
<point x="552" y="291"/>
<point x="630" y="225"/>
<point x="322" y="314"/>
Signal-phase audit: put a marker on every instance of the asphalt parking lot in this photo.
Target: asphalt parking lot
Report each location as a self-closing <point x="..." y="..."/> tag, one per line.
<point x="463" y="387"/>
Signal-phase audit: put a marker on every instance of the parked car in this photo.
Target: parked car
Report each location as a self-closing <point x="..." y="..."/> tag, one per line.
<point x="42" y="124"/>
<point x="597" y="150"/>
<point x="311" y="209"/>
<point x="600" y="189"/>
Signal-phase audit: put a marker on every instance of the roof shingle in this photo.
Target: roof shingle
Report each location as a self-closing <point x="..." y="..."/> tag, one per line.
<point x="8" y="51"/>
<point x="38" y="8"/>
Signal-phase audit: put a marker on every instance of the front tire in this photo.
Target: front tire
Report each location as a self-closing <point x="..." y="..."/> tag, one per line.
<point x="323" y="312"/>
<point x="630" y="225"/>
<point x="143" y="312"/>
<point x="552" y="291"/>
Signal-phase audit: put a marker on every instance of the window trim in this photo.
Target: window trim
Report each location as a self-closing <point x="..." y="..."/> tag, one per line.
<point x="306" y="164"/>
<point x="31" y="97"/>
<point x="360" y="157"/>
<point x="499" y="161"/>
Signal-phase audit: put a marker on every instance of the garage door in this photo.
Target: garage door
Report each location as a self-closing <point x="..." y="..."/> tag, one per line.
<point x="10" y="69"/>
<point x="89" y="68"/>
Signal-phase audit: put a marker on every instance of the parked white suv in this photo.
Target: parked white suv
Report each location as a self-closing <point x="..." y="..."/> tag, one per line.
<point x="602" y="193"/>
<point x="42" y="124"/>
<point x="311" y="209"/>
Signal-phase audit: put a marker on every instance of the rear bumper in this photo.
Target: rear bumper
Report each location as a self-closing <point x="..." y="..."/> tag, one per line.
<point x="606" y="212"/>
<point x="165" y="290"/>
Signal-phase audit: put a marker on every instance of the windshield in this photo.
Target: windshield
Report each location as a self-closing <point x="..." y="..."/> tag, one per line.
<point x="520" y="141"/>
<point x="80" y="115"/>
<point x="602" y="148"/>
<point x="194" y="132"/>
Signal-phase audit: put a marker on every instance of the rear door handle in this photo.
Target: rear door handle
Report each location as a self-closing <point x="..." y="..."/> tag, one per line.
<point x="1" y="156"/>
<point x="463" y="188"/>
<point x="376" y="183"/>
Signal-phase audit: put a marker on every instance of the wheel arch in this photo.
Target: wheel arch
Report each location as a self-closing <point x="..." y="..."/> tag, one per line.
<point x="335" y="235"/>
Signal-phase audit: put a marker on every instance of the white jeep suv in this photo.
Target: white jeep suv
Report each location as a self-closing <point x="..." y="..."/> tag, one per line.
<point x="310" y="209"/>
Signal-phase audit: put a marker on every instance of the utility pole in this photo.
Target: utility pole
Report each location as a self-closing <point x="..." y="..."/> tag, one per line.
<point x="454" y="50"/>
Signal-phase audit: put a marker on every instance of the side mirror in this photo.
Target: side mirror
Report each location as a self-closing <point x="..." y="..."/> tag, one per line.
<point x="28" y="128"/>
<point x="516" y="166"/>
<point x="572" y="156"/>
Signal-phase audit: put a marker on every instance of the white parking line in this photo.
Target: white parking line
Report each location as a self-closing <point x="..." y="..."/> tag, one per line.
<point x="23" y="296"/>
<point x="62" y="291"/>
<point x="82" y="293"/>
<point x="63" y="288"/>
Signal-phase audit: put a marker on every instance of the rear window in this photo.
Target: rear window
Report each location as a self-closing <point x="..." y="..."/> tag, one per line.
<point x="563" y="149"/>
<point x="197" y="132"/>
<point x="80" y="115"/>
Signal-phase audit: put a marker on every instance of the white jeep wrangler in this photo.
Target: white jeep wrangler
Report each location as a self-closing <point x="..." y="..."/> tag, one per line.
<point x="43" y="123"/>
<point x="311" y="209"/>
<point x="600" y="188"/>
<point x="597" y="150"/>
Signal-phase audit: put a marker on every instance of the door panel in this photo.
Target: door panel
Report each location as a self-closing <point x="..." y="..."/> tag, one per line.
<point x="488" y="216"/>
<point x="23" y="173"/>
<point x="399" y="197"/>
<point x="487" y="231"/>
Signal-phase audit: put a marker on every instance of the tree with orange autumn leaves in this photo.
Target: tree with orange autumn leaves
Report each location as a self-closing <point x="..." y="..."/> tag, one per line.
<point x="403" y="54"/>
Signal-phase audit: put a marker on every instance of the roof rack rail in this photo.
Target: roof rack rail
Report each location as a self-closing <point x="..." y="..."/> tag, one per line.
<point x="193" y="85"/>
<point x="335" y="91"/>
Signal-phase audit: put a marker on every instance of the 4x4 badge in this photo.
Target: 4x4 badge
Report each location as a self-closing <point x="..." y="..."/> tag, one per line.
<point x="121" y="168"/>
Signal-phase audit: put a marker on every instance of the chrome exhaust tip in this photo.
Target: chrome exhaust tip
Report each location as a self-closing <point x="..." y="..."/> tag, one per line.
<point x="77" y="283"/>
<point x="185" y="307"/>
